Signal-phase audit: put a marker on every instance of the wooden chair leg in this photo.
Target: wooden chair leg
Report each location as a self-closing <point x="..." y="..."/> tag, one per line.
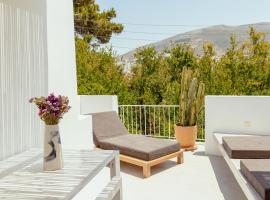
<point x="146" y="171"/>
<point x="180" y="158"/>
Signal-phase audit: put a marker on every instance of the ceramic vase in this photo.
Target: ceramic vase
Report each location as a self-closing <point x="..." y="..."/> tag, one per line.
<point x="52" y="155"/>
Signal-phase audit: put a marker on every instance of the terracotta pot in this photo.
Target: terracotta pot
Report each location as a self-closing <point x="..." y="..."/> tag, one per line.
<point x="186" y="135"/>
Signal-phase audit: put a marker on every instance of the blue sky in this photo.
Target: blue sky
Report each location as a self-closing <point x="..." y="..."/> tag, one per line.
<point x="184" y="15"/>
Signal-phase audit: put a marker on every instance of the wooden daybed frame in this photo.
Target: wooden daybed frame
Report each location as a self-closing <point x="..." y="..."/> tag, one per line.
<point x="146" y="165"/>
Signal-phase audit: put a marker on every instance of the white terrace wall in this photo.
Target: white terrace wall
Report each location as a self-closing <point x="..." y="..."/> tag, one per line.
<point x="235" y="115"/>
<point x="98" y="103"/>
<point x="23" y="72"/>
<point x="37" y="56"/>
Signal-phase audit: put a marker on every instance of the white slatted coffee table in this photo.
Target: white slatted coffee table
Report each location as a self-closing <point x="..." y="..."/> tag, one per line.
<point x="22" y="177"/>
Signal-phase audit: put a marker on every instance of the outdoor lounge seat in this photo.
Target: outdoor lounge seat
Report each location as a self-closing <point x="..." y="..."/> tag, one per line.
<point x="254" y="152"/>
<point x="109" y="133"/>
<point x="251" y="147"/>
<point x="257" y="172"/>
<point x="247" y="158"/>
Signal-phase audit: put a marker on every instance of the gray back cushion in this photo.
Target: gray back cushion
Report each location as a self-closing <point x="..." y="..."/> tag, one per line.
<point x="107" y="125"/>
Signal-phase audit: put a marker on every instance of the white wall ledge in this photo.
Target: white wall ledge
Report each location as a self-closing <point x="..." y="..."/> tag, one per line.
<point x="235" y="115"/>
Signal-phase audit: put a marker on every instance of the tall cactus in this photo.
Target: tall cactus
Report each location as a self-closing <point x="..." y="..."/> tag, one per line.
<point x="191" y="98"/>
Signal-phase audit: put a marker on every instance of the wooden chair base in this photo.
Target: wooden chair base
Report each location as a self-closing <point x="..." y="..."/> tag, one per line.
<point x="146" y="165"/>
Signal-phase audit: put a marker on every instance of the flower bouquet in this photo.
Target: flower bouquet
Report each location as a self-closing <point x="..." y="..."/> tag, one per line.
<point x="51" y="110"/>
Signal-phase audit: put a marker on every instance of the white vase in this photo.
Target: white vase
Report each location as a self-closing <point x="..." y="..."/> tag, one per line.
<point x="52" y="155"/>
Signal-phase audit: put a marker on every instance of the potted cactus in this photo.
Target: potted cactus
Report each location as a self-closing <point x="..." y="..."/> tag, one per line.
<point x="190" y="104"/>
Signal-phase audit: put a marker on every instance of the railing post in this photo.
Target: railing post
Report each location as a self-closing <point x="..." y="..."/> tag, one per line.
<point x="144" y="120"/>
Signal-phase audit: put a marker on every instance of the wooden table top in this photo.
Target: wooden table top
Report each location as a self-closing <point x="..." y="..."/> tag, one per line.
<point x="22" y="176"/>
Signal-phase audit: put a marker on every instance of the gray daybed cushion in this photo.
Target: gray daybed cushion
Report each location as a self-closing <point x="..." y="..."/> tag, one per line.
<point x="110" y="133"/>
<point x="107" y="125"/>
<point x="257" y="172"/>
<point x="245" y="147"/>
<point x="139" y="146"/>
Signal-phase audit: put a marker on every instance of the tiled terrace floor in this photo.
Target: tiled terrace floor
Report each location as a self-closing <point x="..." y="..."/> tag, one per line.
<point x="200" y="177"/>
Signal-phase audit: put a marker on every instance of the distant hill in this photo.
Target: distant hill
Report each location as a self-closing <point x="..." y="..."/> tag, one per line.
<point x="219" y="35"/>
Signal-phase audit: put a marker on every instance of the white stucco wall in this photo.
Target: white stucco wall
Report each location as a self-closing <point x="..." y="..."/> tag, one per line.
<point x="235" y="115"/>
<point x="37" y="56"/>
<point x="98" y="103"/>
<point x="23" y="73"/>
<point x="75" y="129"/>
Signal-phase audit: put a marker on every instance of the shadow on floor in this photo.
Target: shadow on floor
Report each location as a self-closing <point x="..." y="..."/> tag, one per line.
<point x="138" y="172"/>
<point x="226" y="181"/>
<point x="199" y="153"/>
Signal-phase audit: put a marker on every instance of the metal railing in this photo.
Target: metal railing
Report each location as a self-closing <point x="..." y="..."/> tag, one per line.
<point x="154" y="120"/>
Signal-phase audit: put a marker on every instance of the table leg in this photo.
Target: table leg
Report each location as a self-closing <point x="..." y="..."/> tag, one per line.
<point x="115" y="172"/>
<point x="115" y="167"/>
<point x="113" y="191"/>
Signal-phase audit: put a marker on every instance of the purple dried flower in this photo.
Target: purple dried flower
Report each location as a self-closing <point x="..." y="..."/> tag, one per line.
<point x="51" y="108"/>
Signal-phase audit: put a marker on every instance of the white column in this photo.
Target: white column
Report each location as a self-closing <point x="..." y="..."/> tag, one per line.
<point x="75" y="129"/>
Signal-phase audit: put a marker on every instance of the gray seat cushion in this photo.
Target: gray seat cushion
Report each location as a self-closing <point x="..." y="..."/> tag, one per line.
<point x="241" y="147"/>
<point x="141" y="147"/>
<point x="110" y="133"/>
<point x="257" y="172"/>
<point x="107" y="125"/>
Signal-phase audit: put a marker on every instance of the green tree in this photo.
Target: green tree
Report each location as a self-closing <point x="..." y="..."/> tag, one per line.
<point x="97" y="69"/>
<point x="92" y="24"/>
<point x="149" y="76"/>
<point x="206" y="67"/>
<point x="244" y="69"/>
<point x="179" y="56"/>
<point x="99" y="73"/>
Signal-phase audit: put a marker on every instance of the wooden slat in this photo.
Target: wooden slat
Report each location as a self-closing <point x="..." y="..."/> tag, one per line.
<point x="31" y="182"/>
<point x="111" y="191"/>
<point x="19" y="161"/>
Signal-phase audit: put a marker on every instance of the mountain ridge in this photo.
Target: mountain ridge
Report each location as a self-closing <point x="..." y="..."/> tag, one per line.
<point x="219" y="35"/>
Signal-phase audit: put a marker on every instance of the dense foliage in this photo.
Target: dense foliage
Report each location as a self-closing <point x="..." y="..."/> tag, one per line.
<point x="155" y="77"/>
<point x="244" y="69"/>
<point x="98" y="72"/>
